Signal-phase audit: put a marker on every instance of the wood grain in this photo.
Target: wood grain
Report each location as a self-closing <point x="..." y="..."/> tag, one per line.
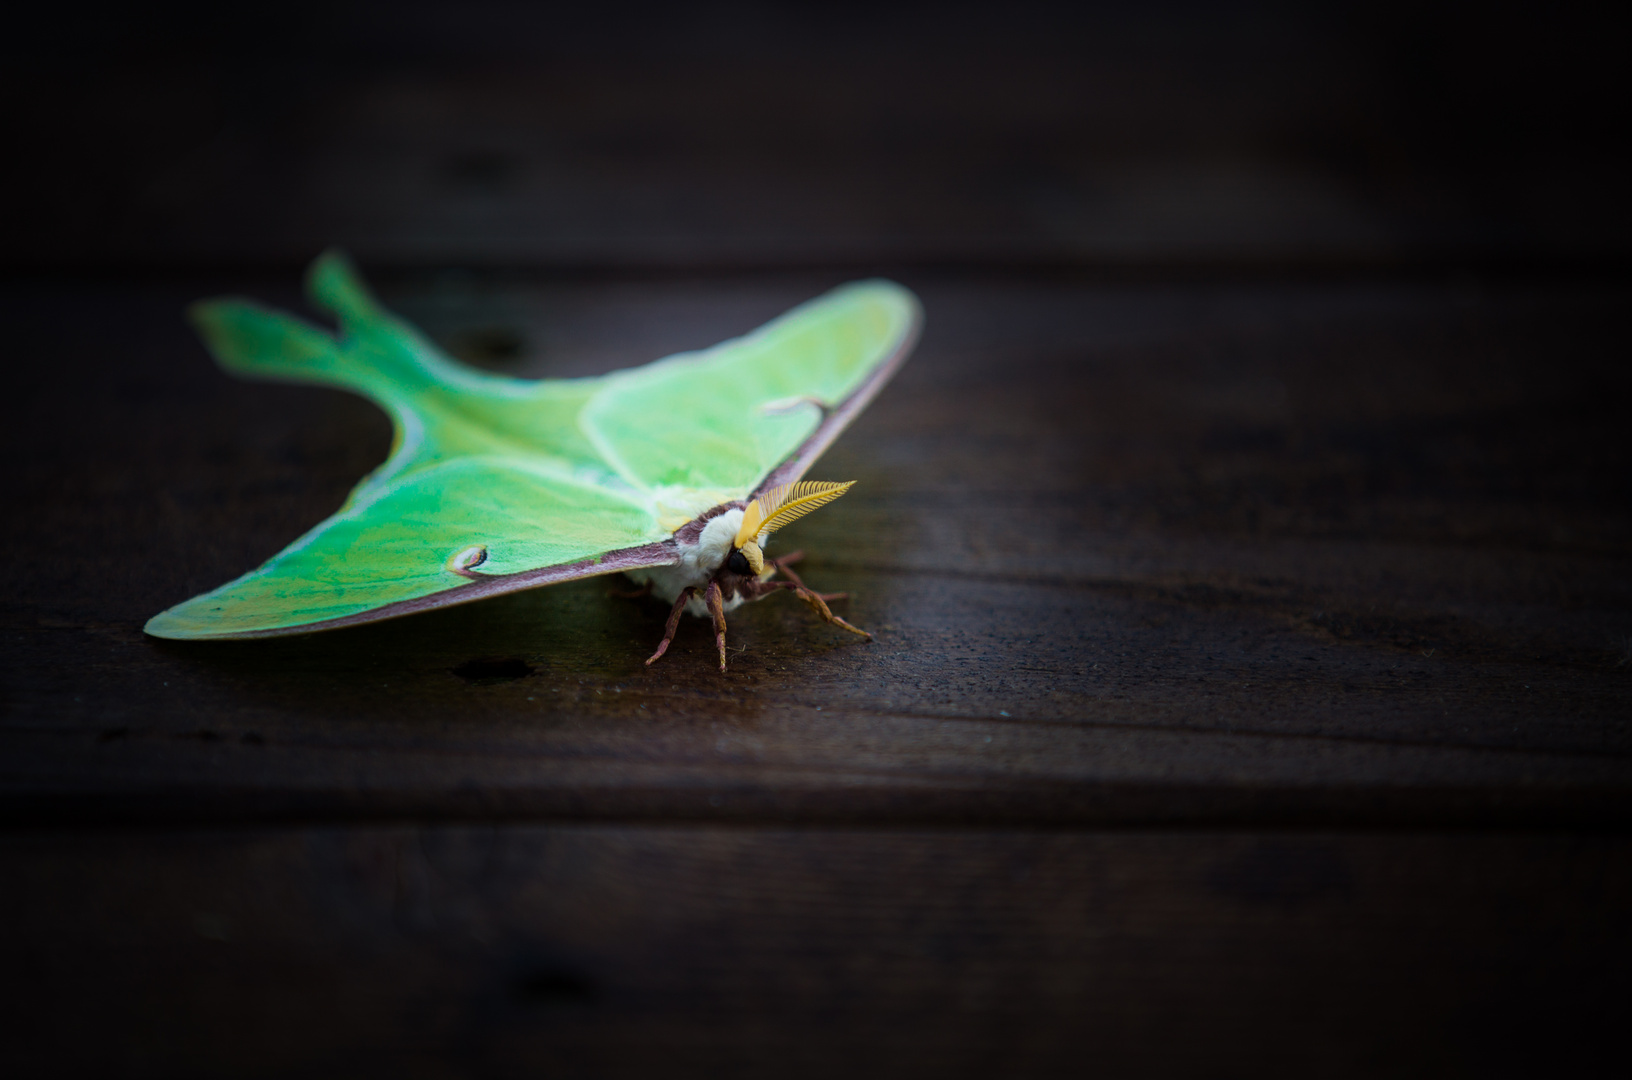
<point x="645" y="136"/>
<point x="611" y="950"/>
<point x="1248" y="549"/>
<point x="1346" y="554"/>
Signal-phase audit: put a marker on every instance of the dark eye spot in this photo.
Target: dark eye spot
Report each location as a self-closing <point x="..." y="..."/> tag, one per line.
<point x="738" y="562"/>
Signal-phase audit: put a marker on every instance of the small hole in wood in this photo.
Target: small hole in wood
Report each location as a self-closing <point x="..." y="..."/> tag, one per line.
<point x="487" y="346"/>
<point x="482" y="170"/>
<point x="493" y="669"/>
<point x="554" y="988"/>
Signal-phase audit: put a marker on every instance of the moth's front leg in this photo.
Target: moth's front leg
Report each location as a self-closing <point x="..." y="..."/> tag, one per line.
<point x="674" y="623"/>
<point x="817" y="602"/>
<point x="819" y="606"/>
<point x="798" y="582"/>
<point x="716" y="607"/>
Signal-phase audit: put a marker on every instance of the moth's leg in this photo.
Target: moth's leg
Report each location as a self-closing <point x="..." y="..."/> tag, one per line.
<point x="716" y="608"/>
<point x="631" y="594"/>
<point x="794" y="556"/>
<point x="674" y="622"/>
<point x="817" y="604"/>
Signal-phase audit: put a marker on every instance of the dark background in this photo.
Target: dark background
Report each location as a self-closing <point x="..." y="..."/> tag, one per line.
<point x="721" y="136"/>
<point x="1248" y="548"/>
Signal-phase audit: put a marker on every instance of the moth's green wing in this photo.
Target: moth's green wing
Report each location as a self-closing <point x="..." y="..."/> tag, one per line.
<point x="389" y="554"/>
<point x="555" y="479"/>
<point x="440" y="409"/>
<point x="477" y="460"/>
<point x="722" y="420"/>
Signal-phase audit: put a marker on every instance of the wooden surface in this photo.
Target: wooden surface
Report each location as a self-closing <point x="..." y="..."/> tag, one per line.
<point x="645" y="135"/>
<point x="1248" y="545"/>
<point x="1270" y="554"/>
<point x="629" y="950"/>
<point x="1181" y="594"/>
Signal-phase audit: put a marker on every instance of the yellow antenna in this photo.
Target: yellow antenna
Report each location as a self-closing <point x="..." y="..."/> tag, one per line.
<point x="784" y="504"/>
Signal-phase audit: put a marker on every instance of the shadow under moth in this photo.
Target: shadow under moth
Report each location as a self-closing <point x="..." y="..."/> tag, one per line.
<point x="676" y="473"/>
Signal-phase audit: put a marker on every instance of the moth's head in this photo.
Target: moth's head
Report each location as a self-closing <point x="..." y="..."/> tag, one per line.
<point x="769" y="512"/>
<point x="747" y="559"/>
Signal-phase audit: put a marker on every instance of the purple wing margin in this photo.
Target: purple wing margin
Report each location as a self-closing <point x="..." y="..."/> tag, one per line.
<point x="663" y="553"/>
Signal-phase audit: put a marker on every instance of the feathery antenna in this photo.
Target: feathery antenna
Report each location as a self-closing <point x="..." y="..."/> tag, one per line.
<point x="786" y="503"/>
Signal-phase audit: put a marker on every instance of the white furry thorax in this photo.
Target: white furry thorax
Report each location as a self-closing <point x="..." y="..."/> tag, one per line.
<point x="698" y="564"/>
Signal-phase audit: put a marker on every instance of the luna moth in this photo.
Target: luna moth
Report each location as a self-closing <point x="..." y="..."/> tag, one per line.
<point x="675" y="473"/>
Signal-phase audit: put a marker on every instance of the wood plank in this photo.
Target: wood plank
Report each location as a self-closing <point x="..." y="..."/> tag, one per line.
<point x="510" y="135"/>
<point x="1347" y="553"/>
<point x="616" y="951"/>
